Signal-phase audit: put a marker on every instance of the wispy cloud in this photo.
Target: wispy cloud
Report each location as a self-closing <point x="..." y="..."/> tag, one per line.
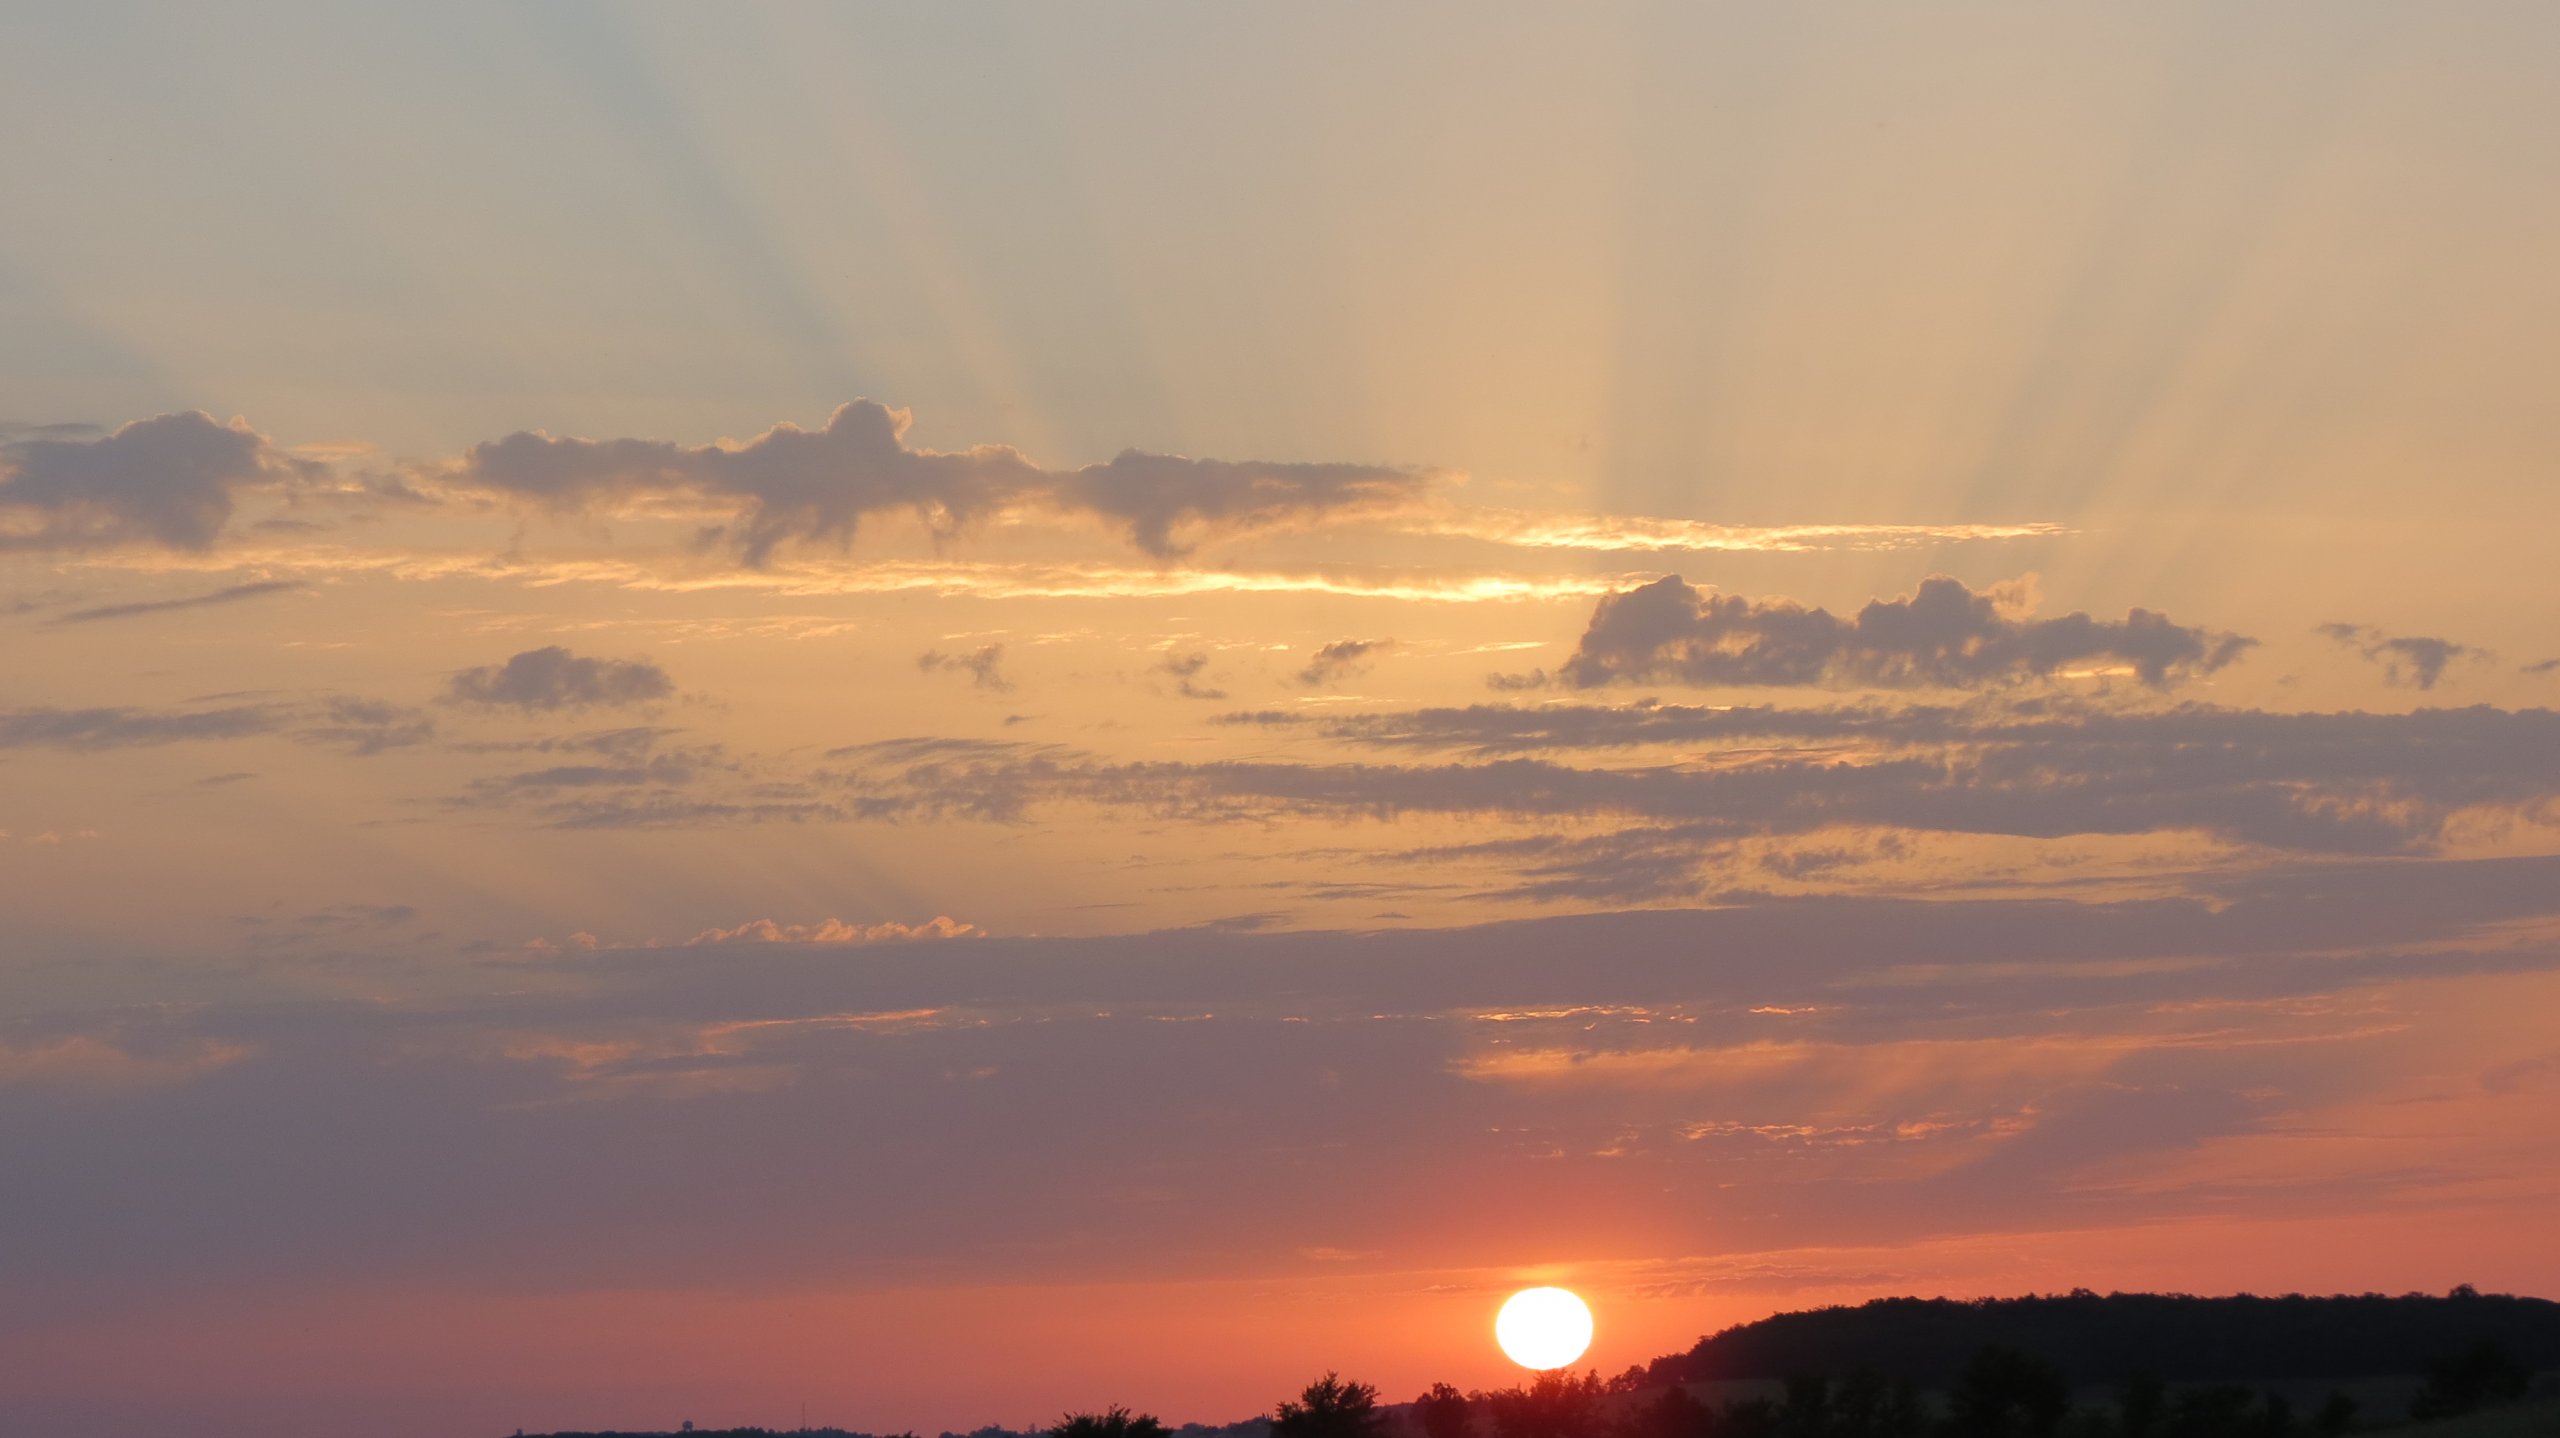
<point x="984" y="665"/>
<point x="1341" y="659"/>
<point x="2408" y="661"/>
<point x="1530" y="529"/>
<point x="231" y="594"/>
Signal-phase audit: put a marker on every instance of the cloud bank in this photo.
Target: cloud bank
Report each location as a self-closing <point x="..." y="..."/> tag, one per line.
<point x="1944" y="636"/>
<point x="790" y="485"/>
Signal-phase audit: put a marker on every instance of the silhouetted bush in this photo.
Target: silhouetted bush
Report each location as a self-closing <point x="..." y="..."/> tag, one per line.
<point x="1112" y="1422"/>
<point x="1328" y="1408"/>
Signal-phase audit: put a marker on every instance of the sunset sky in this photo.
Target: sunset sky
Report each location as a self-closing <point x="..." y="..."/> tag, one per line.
<point x="953" y="711"/>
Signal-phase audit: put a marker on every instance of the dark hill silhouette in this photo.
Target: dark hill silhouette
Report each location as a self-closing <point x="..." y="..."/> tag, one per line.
<point x="1955" y="1368"/>
<point x="2094" y="1338"/>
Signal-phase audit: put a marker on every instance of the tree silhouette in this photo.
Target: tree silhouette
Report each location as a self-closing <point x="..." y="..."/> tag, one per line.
<point x="1329" y="1408"/>
<point x="1442" y="1413"/>
<point x="1112" y="1422"/>
<point x="1671" y="1413"/>
<point x="2140" y="1403"/>
<point x="2459" y="1382"/>
<point x="1555" y="1404"/>
<point x="2004" y="1393"/>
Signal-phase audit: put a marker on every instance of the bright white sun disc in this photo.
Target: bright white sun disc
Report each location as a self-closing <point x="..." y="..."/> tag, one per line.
<point x="1543" y="1328"/>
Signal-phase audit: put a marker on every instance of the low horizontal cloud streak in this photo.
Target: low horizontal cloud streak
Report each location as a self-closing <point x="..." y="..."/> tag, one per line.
<point x="1636" y="534"/>
<point x="2343" y="783"/>
<point x="357" y="725"/>
<point x="230" y="594"/>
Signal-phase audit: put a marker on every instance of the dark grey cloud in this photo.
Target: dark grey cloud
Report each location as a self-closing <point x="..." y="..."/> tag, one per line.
<point x="1188" y="671"/>
<point x="1944" y="636"/>
<point x="2408" y="661"/>
<point x="553" y="678"/>
<point x="170" y="482"/>
<point x="984" y="665"/>
<point x="1341" y="659"/>
<point x="792" y="485"/>
<point x="2546" y="666"/>
<point x="232" y="594"/>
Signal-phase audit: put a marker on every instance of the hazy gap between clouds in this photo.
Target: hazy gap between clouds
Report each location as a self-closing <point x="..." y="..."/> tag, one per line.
<point x="950" y="578"/>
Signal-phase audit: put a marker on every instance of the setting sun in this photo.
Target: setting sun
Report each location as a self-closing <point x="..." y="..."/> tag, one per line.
<point x="1543" y="1327"/>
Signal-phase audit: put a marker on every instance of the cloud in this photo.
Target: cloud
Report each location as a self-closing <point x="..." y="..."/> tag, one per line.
<point x="2315" y="783"/>
<point x="1630" y="533"/>
<point x="125" y="727"/>
<point x="1185" y="671"/>
<point x="1170" y="505"/>
<point x="1944" y="636"/>
<point x="790" y="485"/>
<point x="1340" y="660"/>
<point x="2545" y="666"/>
<point x="1816" y="1070"/>
<point x="169" y="482"/>
<point x="94" y="1061"/>
<point x="1259" y="718"/>
<point x="359" y="726"/>
<point x="837" y="931"/>
<point x="2408" y="661"/>
<point x="230" y="595"/>
<point x="982" y="665"/>
<point x="552" y="678"/>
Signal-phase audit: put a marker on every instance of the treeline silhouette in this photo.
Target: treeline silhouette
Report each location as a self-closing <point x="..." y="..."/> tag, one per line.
<point x="2094" y="1338"/>
<point x="2078" y="1365"/>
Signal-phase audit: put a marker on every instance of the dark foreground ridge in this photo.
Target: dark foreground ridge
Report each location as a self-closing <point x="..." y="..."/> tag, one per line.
<point x="2094" y="1338"/>
<point x="2075" y="1365"/>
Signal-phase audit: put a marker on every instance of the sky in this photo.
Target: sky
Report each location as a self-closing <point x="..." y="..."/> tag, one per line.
<point x="952" y="712"/>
